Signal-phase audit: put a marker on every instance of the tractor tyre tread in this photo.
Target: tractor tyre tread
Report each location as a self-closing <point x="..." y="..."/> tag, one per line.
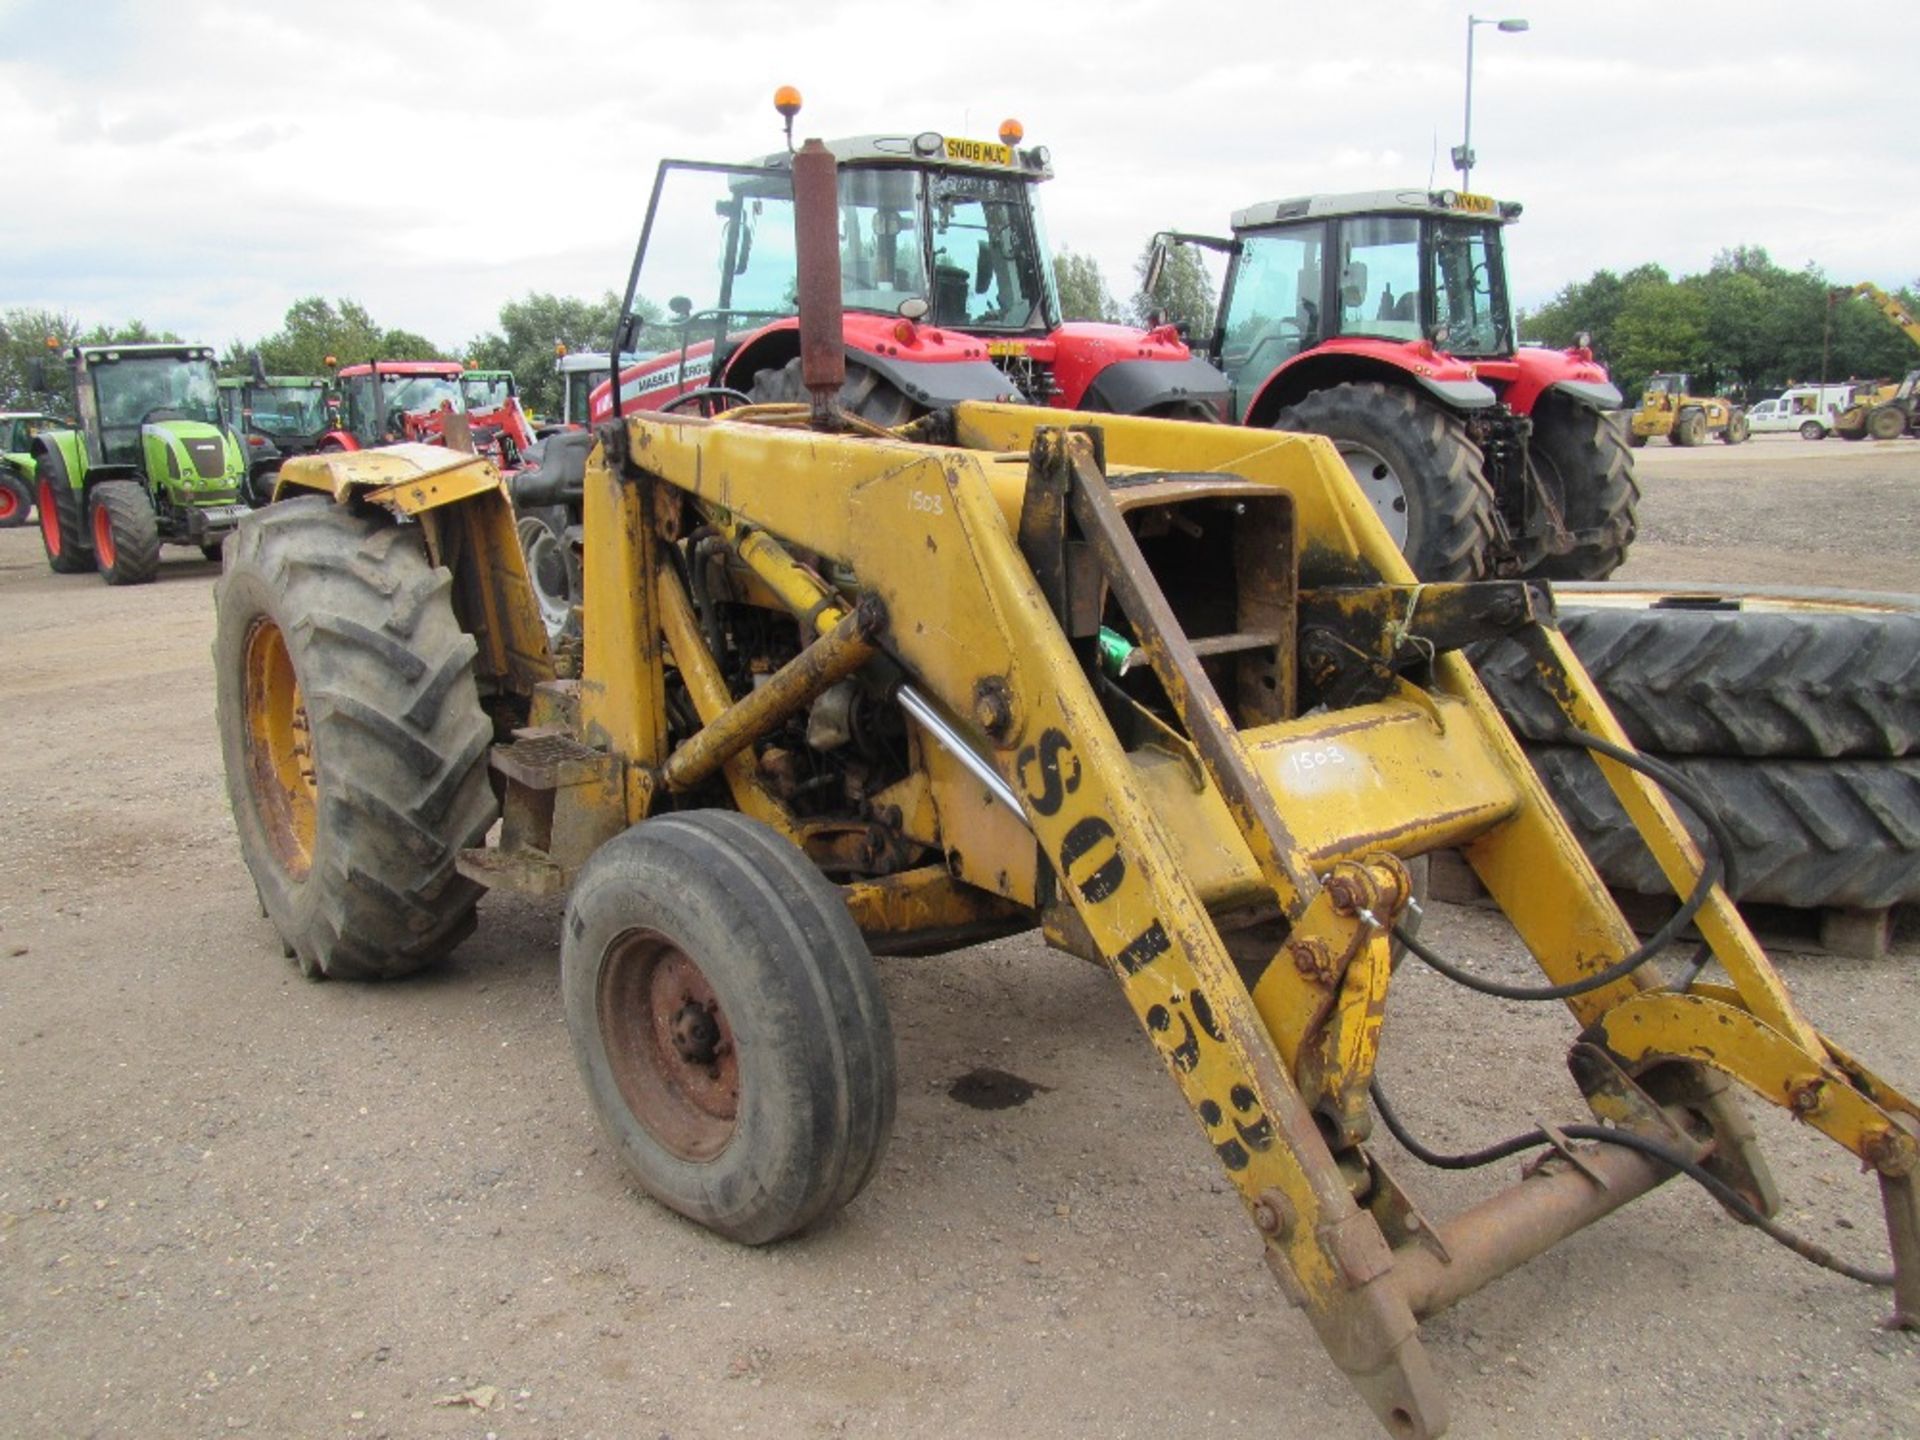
<point x="1451" y="506"/>
<point x="1808" y="833"/>
<point x="1587" y="449"/>
<point x="1740" y="684"/>
<point x="50" y="475"/>
<point x="400" y="740"/>
<point x="136" y="532"/>
<point x="865" y="393"/>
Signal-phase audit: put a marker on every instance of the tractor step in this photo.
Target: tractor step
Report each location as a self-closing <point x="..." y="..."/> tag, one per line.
<point x="563" y="801"/>
<point x="543" y="759"/>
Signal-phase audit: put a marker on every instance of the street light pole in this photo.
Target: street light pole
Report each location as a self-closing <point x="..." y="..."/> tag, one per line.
<point x="1463" y="153"/>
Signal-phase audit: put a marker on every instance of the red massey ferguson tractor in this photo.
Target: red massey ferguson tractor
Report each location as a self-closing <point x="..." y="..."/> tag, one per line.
<point x="385" y="402"/>
<point x="1381" y="321"/>
<point x="947" y="291"/>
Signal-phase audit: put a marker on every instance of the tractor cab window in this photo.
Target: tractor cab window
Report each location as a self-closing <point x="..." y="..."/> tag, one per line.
<point x="290" y="410"/>
<point x="718" y="258"/>
<point x="881" y="255"/>
<point x="140" y="390"/>
<point x="1469" y="291"/>
<point x="1378" y="285"/>
<point x="987" y="274"/>
<point x="1273" y="309"/>
<point x="488" y="392"/>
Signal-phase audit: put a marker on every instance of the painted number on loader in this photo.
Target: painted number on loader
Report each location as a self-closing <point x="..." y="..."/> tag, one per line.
<point x="1305" y="762"/>
<point x="924" y="502"/>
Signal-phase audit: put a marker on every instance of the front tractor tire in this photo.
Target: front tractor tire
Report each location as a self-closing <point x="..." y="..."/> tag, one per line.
<point x="126" y="533"/>
<point x="1738" y="428"/>
<point x="61" y="532"/>
<point x="1689" y="428"/>
<point x="1580" y="455"/>
<point x="728" y="1024"/>
<point x="1423" y="476"/>
<point x="354" y="742"/>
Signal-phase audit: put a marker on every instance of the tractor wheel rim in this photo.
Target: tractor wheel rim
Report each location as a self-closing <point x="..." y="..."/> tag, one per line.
<point x="1381" y="484"/>
<point x="103" y="537"/>
<point x="49" y="519"/>
<point x="669" y="1045"/>
<point x="9" y="502"/>
<point x="280" y="762"/>
<point x="547" y="571"/>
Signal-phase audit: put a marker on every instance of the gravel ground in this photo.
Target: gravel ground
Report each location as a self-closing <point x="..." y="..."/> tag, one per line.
<point x="232" y="1201"/>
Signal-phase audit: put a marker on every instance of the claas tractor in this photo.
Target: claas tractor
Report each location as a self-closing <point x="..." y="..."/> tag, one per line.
<point x="1669" y="407"/>
<point x="948" y="290"/>
<point x="1382" y="321"/>
<point x="1167" y="693"/>
<point x="148" y="463"/>
<point x="276" y="416"/>
<point x="17" y="486"/>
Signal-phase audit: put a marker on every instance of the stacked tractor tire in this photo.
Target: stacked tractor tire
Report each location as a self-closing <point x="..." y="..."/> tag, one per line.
<point x="1800" y="725"/>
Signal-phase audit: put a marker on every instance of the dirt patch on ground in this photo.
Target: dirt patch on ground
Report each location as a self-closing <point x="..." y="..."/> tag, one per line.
<point x="232" y="1201"/>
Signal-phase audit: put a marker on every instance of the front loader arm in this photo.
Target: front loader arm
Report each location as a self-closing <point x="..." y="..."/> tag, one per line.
<point x="1271" y="1032"/>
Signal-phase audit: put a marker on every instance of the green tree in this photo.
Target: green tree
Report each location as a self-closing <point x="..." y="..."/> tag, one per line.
<point x="529" y="330"/>
<point x="24" y="333"/>
<point x="1083" y="289"/>
<point x="1184" y="296"/>
<point x="316" y="328"/>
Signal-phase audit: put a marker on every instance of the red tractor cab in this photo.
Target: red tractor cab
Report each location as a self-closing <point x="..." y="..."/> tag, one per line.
<point x="947" y="291"/>
<point x="385" y="402"/>
<point x="1382" y="320"/>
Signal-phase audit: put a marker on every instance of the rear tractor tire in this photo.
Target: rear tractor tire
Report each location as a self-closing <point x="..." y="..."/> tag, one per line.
<point x="865" y="393"/>
<point x="354" y="741"/>
<point x="1581" y="455"/>
<point x="16" y="501"/>
<point x="61" y="533"/>
<point x="1423" y="476"/>
<point x="728" y="1024"/>
<point x="1636" y="441"/>
<point x="126" y="533"/>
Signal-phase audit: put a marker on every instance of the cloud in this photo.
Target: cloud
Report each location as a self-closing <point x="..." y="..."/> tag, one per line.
<point x="210" y="160"/>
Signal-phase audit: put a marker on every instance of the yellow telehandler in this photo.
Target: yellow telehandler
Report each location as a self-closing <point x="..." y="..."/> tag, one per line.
<point x="1668" y="407"/>
<point x="1167" y="692"/>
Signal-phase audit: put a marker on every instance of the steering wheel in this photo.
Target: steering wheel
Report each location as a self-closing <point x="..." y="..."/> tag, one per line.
<point x="712" y="399"/>
<point x="161" y="412"/>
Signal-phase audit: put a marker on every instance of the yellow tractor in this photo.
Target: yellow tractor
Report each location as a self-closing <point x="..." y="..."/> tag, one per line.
<point x="1168" y="693"/>
<point x="1667" y="407"/>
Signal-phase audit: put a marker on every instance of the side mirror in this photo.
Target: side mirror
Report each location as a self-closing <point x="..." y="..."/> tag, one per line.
<point x="37" y="374"/>
<point x="259" y="368"/>
<point x="1156" y="267"/>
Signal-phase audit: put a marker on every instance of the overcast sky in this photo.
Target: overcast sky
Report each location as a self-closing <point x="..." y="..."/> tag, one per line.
<point x="202" y="163"/>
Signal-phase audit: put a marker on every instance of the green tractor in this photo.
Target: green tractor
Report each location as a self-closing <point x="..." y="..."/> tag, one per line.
<point x="17" y="429"/>
<point x="275" y="416"/>
<point x="148" y="464"/>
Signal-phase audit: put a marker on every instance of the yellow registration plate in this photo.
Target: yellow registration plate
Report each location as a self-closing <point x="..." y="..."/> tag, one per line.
<point x="979" y="152"/>
<point x="1005" y="349"/>
<point x="1474" y="204"/>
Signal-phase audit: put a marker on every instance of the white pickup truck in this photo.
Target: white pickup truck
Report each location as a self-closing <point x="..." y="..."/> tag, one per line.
<point x="1810" y="409"/>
